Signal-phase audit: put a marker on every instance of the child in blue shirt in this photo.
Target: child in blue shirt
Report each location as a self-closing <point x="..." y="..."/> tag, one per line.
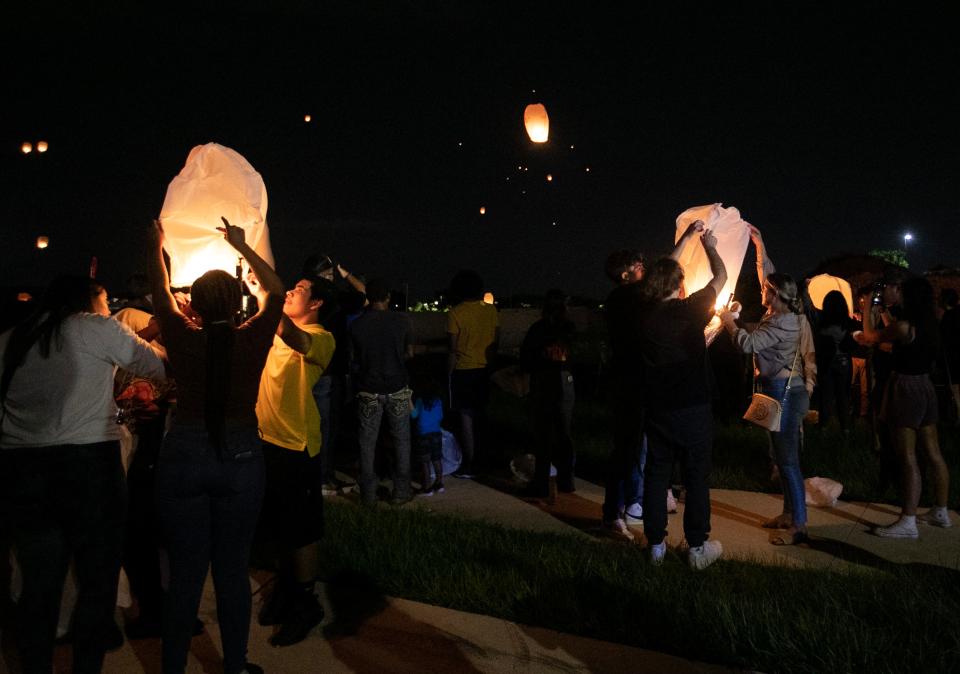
<point x="427" y="413"/>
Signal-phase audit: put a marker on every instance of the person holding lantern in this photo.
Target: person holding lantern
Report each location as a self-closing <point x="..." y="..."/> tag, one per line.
<point x="210" y="475"/>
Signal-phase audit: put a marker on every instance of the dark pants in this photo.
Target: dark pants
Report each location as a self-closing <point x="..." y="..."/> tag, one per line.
<point x="328" y="394"/>
<point x="624" y="475"/>
<point x="208" y="507"/>
<point x="687" y="435"/>
<point x="552" y="412"/>
<point x="63" y="501"/>
<point x="372" y="407"/>
<point x="834" y="386"/>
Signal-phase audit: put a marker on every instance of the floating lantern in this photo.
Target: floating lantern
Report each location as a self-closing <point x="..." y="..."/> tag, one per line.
<point x="821" y="284"/>
<point x="588" y="169"/>
<point x="537" y="122"/>
<point x="307" y="118"/>
<point x="488" y="298"/>
<point x="26" y="148"/>
<point x="42" y="146"/>
<point x="24" y="297"/>
<point x="43" y="242"/>
<point x="215" y="181"/>
<point x="483" y="210"/>
<point x="549" y="177"/>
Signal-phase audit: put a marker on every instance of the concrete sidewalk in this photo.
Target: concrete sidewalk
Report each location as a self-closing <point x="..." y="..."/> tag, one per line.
<point x="371" y="633"/>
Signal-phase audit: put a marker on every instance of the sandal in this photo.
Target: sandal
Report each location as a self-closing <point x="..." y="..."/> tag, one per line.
<point x="786" y="538"/>
<point x="781" y="521"/>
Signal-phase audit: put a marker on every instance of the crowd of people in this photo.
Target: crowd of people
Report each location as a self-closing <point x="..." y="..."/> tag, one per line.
<point x="238" y="442"/>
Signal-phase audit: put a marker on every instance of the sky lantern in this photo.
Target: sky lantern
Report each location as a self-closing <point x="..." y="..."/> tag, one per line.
<point x="42" y="146"/>
<point x="549" y="177"/>
<point x="821" y="284"/>
<point x="307" y="118"/>
<point x="26" y="148"/>
<point x="43" y="242"/>
<point x="215" y="182"/>
<point x="733" y="236"/>
<point x="488" y="298"/>
<point x="537" y="122"/>
<point x="483" y="210"/>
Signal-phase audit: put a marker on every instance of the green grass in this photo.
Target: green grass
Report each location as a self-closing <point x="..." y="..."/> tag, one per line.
<point x="886" y="619"/>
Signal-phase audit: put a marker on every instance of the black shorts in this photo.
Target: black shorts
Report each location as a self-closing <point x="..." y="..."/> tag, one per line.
<point x="468" y="389"/>
<point x="429" y="447"/>
<point x="293" y="502"/>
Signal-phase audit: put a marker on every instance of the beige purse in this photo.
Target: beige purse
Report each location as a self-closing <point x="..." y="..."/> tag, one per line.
<point x="765" y="411"/>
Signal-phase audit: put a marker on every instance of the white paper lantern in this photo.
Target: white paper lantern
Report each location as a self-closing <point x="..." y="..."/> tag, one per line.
<point x="537" y="122"/>
<point x="733" y="236"/>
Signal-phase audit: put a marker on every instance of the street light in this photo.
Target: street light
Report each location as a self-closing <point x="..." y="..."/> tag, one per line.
<point x="907" y="238"/>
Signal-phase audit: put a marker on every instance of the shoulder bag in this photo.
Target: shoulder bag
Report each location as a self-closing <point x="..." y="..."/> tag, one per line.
<point x="765" y="411"/>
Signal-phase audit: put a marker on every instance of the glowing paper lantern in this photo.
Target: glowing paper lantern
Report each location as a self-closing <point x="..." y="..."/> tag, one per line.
<point x="216" y="181"/>
<point x="43" y="242"/>
<point x="820" y="285"/>
<point x="733" y="236"/>
<point x="42" y="146"/>
<point x="26" y="148"/>
<point x="483" y="210"/>
<point x="549" y="178"/>
<point x="307" y="118"/>
<point x="488" y="298"/>
<point x="537" y="122"/>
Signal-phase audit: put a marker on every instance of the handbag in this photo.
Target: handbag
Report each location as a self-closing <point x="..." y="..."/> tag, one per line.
<point x="765" y="411"/>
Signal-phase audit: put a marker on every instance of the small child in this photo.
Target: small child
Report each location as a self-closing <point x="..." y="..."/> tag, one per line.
<point x="427" y="413"/>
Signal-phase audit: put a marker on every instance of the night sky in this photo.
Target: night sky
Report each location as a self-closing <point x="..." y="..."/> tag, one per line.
<point x="833" y="129"/>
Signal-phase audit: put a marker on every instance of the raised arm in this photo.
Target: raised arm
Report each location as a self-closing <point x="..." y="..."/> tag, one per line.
<point x="693" y="228"/>
<point x="265" y="274"/>
<point x="356" y="283"/>
<point x="163" y="302"/>
<point x="764" y="264"/>
<point x="717" y="268"/>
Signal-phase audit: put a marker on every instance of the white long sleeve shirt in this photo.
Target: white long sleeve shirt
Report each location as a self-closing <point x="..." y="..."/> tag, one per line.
<point x="67" y="398"/>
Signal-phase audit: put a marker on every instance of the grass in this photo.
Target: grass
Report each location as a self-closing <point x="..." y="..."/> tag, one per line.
<point x="887" y="619"/>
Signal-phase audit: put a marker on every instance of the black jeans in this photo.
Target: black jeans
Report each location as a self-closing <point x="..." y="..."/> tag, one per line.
<point x="552" y="412"/>
<point x="685" y="434"/>
<point x="625" y="463"/>
<point x="58" y="502"/>
<point x="208" y="507"/>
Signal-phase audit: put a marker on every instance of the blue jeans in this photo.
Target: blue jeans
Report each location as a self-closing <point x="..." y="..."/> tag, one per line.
<point x="208" y="508"/>
<point x="370" y="409"/>
<point x="786" y="443"/>
<point x="328" y="394"/>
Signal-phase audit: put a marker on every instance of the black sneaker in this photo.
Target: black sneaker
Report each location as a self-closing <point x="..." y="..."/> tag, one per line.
<point x="464" y="472"/>
<point x="305" y="614"/>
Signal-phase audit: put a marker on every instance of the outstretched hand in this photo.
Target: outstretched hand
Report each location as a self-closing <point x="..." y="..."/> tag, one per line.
<point x="235" y="236"/>
<point x="708" y="239"/>
<point x="694" y="227"/>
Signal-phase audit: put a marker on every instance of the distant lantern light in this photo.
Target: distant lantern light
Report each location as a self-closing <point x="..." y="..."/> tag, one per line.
<point x="537" y="122"/>
<point x="571" y="147"/>
<point x="307" y="118"/>
<point x="43" y="242"/>
<point x="549" y="177"/>
<point x="42" y="146"/>
<point x="483" y="210"/>
<point x="26" y="148"/>
<point x="588" y="169"/>
<point x="488" y="298"/>
<point x="24" y="297"/>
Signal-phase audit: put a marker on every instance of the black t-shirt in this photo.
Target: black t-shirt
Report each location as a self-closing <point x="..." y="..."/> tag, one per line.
<point x="622" y="307"/>
<point x="379" y="340"/>
<point x="674" y="351"/>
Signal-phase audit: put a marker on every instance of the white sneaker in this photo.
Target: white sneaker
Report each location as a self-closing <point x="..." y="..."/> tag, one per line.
<point x="937" y="517"/>
<point x="671" y="502"/>
<point x="634" y="514"/>
<point x="902" y="528"/>
<point x="658" y="552"/>
<point x="703" y="556"/>
<point x="617" y="529"/>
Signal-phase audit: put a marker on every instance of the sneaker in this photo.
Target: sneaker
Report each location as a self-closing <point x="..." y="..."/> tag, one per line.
<point x="426" y="491"/>
<point x="305" y="614"/>
<point x="464" y="472"/>
<point x="438" y="487"/>
<point x="658" y="552"/>
<point x="704" y="555"/>
<point x="902" y="528"/>
<point x="329" y="489"/>
<point x="671" y="502"/>
<point x="634" y="514"/>
<point x="937" y="517"/>
<point x="617" y="529"/>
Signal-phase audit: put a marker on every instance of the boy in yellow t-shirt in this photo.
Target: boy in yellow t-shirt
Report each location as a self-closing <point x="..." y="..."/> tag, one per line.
<point x="473" y="330"/>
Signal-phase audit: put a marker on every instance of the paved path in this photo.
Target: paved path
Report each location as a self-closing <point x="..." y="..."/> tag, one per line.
<point x="382" y="634"/>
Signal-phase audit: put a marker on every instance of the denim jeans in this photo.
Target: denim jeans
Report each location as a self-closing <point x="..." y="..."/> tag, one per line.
<point x="623" y="481"/>
<point x="58" y="502"/>
<point x="786" y="443"/>
<point x="328" y="394"/>
<point x="208" y="507"/>
<point x="370" y="409"/>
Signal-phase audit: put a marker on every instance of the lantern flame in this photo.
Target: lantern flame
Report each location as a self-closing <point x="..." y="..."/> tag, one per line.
<point x="537" y="122"/>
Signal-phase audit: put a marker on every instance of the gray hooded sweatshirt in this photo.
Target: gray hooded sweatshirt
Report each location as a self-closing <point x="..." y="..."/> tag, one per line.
<point x="774" y="346"/>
